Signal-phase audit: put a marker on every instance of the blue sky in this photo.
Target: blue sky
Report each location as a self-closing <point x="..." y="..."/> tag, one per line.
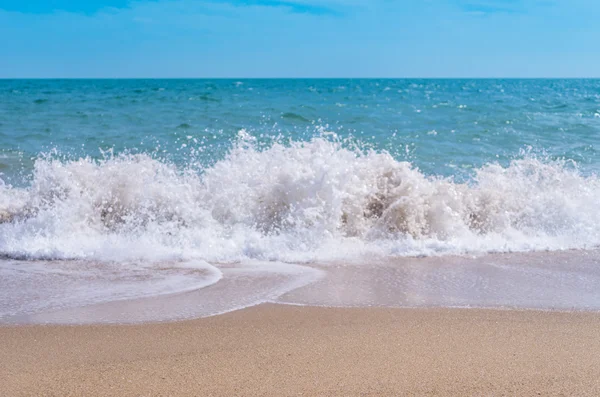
<point x="299" y="38"/>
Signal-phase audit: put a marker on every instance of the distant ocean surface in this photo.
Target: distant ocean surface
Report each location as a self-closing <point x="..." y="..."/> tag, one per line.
<point x="443" y="127"/>
<point x="131" y="174"/>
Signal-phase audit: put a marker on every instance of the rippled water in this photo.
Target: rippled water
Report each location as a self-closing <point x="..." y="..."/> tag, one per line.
<point x="443" y="126"/>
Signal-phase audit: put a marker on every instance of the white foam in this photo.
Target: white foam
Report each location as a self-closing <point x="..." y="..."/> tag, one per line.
<point x="28" y="288"/>
<point x="66" y="299"/>
<point x="301" y="201"/>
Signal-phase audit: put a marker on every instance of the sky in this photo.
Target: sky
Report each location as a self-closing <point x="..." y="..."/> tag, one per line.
<point x="299" y="38"/>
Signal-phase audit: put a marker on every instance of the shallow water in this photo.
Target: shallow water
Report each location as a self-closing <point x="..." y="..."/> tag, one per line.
<point x="238" y="286"/>
<point x="563" y="281"/>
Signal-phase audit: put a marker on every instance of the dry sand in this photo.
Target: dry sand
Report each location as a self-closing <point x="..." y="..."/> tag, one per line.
<point x="277" y="350"/>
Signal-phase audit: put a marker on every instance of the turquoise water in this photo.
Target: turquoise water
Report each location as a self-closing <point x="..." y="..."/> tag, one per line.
<point x="124" y="189"/>
<point x="443" y="126"/>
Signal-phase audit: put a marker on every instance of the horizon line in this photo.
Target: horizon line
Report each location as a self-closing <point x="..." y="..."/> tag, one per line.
<point x="310" y="78"/>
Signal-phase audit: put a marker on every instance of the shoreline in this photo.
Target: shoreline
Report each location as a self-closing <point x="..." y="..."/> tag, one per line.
<point x="545" y="281"/>
<point x="273" y="349"/>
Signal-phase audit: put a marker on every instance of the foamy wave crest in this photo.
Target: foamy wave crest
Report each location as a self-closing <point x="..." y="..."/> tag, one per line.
<point x="300" y="201"/>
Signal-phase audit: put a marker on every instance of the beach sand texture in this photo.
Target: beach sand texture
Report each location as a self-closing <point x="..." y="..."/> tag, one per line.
<point x="279" y="350"/>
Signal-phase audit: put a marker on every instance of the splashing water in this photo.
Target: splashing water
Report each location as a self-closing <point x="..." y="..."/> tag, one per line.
<point x="303" y="201"/>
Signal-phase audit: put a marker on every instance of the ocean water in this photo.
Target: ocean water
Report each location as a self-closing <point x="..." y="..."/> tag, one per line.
<point x="122" y="190"/>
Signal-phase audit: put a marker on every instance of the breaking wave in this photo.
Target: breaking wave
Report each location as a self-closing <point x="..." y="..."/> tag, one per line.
<point x="299" y="201"/>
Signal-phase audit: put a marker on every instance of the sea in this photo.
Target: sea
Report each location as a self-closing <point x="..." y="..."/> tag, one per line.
<point x="156" y="200"/>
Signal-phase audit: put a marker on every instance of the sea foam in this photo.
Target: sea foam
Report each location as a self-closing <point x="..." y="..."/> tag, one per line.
<point x="296" y="201"/>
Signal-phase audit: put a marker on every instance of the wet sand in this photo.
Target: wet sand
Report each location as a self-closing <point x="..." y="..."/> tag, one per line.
<point x="278" y="350"/>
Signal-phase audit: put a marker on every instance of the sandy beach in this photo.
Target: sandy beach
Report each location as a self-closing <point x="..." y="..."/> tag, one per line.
<point x="279" y="350"/>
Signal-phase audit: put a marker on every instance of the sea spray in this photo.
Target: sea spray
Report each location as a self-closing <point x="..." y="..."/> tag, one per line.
<point x="292" y="201"/>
